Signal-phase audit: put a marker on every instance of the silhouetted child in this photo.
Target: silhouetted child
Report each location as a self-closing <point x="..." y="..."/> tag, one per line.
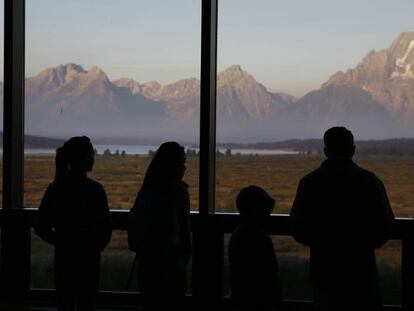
<point x="254" y="269"/>
<point x="74" y="218"/>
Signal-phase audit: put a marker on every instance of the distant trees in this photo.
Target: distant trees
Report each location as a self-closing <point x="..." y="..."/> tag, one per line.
<point x="391" y="147"/>
<point x="107" y="152"/>
<point x="191" y="152"/>
<point x="228" y="153"/>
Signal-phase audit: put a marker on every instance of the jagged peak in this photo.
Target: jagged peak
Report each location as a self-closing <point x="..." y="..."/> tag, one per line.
<point x="125" y="80"/>
<point x="401" y="55"/>
<point x="96" y="73"/>
<point x="403" y="38"/>
<point x="152" y="83"/>
<point x="73" y="67"/>
<point x="64" y="74"/>
<point x="234" y="73"/>
<point x="233" y="69"/>
<point x="63" y="70"/>
<point x="96" y="70"/>
<point x="129" y="83"/>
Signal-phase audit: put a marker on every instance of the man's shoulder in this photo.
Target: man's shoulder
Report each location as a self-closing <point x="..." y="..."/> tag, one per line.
<point x="354" y="169"/>
<point x="367" y="176"/>
<point x="311" y="176"/>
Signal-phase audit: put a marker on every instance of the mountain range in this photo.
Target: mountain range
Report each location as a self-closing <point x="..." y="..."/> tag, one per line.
<point x="375" y="99"/>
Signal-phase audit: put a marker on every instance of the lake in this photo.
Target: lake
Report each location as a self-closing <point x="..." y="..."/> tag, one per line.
<point x="143" y="150"/>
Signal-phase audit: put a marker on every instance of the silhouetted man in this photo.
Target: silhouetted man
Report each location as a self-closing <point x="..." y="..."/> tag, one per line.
<point x="342" y="213"/>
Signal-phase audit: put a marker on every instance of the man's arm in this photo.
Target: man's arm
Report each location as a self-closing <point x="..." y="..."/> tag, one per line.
<point x="299" y="215"/>
<point x="382" y="218"/>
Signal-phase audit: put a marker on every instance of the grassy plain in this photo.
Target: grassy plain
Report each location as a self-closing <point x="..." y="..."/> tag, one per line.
<point x="279" y="175"/>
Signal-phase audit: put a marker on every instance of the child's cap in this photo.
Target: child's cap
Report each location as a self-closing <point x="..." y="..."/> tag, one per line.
<point x="253" y="197"/>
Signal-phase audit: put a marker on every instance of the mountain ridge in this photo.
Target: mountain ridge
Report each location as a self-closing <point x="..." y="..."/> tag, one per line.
<point x="375" y="99"/>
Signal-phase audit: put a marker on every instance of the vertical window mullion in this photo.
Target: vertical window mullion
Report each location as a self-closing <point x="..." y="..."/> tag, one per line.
<point x="208" y="249"/>
<point x="13" y="132"/>
<point x="208" y="106"/>
<point x="15" y="236"/>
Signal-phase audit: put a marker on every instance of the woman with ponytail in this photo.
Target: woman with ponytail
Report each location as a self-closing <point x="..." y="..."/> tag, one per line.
<point x="74" y="218"/>
<point x="159" y="230"/>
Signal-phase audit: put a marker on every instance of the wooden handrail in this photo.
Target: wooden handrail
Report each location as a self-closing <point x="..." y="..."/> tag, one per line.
<point x="279" y="224"/>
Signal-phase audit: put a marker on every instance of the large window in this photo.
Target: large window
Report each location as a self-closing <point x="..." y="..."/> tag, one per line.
<point x="126" y="74"/>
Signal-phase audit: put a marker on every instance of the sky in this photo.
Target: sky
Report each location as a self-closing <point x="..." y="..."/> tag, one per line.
<point x="291" y="46"/>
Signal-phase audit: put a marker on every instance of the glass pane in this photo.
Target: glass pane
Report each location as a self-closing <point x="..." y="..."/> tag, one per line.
<point x="389" y="272"/>
<point x="282" y="82"/>
<point x="41" y="263"/>
<point x="125" y="74"/>
<point x="117" y="266"/>
<point x="293" y="261"/>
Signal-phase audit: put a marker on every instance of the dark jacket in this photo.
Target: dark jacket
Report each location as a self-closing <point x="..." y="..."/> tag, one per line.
<point x="74" y="217"/>
<point x="254" y="268"/>
<point x="160" y="223"/>
<point x="342" y="212"/>
<point x="163" y="219"/>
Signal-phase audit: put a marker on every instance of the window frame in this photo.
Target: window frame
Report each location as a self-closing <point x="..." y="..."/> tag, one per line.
<point x="208" y="237"/>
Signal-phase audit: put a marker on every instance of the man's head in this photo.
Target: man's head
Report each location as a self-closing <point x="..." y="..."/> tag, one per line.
<point x="339" y="143"/>
<point x="254" y="204"/>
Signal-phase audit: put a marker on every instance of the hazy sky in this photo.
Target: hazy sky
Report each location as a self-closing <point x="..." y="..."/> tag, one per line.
<point x="288" y="45"/>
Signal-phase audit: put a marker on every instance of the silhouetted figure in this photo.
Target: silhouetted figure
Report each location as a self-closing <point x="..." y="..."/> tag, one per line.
<point x="254" y="269"/>
<point x="342" y="213"/>
<point x="159" y="230"/>
<point x="74" y="217"/>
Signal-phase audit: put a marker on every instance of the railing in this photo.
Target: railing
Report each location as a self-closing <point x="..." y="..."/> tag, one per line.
<point x="208" y="259"/>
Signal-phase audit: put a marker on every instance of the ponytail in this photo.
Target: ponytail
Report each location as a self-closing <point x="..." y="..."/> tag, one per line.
<point x="61" y="165"/>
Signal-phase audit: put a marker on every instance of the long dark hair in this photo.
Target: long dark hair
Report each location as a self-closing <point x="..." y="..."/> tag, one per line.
<point x="166" y="164"/>
<point x="75" y="154"/>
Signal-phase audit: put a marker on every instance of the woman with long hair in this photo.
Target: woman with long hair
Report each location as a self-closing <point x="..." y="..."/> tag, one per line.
<point x="74" y="218"/>
<point x="159" y="229"/>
